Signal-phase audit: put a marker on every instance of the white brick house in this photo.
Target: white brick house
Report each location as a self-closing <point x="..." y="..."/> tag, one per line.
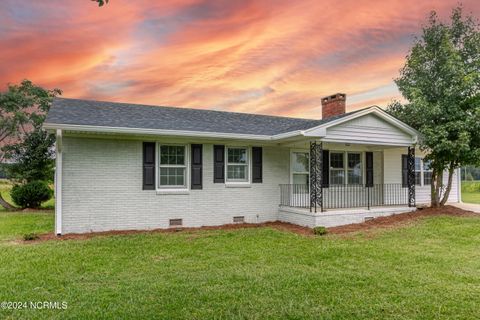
<point x="123" y="167"/>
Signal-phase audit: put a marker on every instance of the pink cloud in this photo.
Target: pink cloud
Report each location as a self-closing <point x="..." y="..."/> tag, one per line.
<point x="274" y="57"/>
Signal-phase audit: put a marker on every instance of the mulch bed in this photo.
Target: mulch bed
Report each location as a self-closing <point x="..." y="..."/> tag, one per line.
<point x="381" y="222"/>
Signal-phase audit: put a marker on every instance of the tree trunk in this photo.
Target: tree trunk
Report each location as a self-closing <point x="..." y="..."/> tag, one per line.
<point x="435" y="187"/>
<point x="451" y="169"/>
<point x="6" y="205"/>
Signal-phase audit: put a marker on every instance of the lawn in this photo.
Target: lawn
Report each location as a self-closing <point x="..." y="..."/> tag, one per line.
<point x="471" y="191"/>
<point x="429" y="269"/>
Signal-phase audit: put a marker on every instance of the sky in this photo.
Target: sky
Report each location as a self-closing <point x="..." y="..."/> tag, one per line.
<point x="267" y="57"/>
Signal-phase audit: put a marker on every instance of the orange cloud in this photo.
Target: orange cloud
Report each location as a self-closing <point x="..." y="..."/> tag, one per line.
<point x="273" y="57"/>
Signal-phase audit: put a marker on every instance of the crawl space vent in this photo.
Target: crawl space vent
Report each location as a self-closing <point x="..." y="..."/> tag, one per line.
<point x="239" y="219"/>
<point x="175" y="222"/>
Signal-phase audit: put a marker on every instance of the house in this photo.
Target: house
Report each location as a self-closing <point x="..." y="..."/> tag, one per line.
<point x="124" y="166"/>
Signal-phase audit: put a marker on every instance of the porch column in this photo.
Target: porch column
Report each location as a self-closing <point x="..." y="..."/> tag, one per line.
<point x="411" y="176"/>
<point x="316" y="179"/>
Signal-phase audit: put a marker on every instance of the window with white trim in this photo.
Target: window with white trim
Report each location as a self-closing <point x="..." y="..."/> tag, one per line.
<point x="237" y="164"/>
<point x="346" y="172"/>
<point x="300" y="168"/>
<point x="172" y="163"/>
<point x="337" y="168"/>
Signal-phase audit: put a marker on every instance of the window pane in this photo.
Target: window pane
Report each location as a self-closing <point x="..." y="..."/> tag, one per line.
<point x="417" y="164"/>
<point x="337" y="176"/>
<point x="173" y="155"/>
<point x="300" y="162"/>
<point x="354" y="177"/>
<point x="336" y="160"/>
<point x="427" y="178"/>
<point x="354" y="161"/>
<point x="172" y="177"/>
<point x="237" y="155"/>
<point x="299" y="178"/>
<point x="418" y="178"/>
<point x="427" y="165"/>
<point x="236" y="172"/>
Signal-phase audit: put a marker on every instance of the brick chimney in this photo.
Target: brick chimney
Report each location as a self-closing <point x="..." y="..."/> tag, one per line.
<point x="333" y="105"/>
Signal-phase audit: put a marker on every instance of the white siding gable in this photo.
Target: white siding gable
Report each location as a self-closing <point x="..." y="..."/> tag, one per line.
<point x="368" y="129"/>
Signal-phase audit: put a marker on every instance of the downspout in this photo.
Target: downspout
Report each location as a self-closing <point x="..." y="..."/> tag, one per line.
<point x="58" y="182"/>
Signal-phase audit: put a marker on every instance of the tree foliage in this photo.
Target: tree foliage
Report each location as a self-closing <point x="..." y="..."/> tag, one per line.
<point x="441" y="82"/>
<point x="23" y="107"/>
<point x="32" y="158"/>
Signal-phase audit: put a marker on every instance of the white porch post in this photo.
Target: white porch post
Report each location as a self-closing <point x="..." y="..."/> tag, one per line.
<point x="58" y="182"/>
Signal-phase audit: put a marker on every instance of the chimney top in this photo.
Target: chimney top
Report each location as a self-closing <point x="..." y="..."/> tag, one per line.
<point x="333" y="105"/>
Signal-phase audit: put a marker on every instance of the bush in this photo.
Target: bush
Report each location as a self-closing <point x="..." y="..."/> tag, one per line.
<point x="30" y="236"/>
<point x="320" y="231"/>
<point x="31" y="195"/>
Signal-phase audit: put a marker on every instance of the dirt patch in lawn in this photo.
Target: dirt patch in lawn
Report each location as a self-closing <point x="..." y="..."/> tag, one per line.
<point x="381" y="222"/>
<point x="401" y="219"/>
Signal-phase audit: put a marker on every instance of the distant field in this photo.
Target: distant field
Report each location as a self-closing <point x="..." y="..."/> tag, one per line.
<point x="471" y="191"/>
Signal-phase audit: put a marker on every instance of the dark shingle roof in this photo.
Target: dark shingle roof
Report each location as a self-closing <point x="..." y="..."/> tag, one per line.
<point x="123" y="115"/>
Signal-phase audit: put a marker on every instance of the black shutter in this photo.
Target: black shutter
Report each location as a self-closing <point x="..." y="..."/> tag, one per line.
<point x="325" y="168"/>
<point x="369" y="168"/>
<point x="149" y="166"/>
<point x="218" y="164"/>
<point x="196" y="166"/>
<point x="404" y="170"/>
<point x="257" y="164"/>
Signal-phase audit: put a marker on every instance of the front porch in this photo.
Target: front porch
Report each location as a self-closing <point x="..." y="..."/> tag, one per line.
<point x="333" y="184"/>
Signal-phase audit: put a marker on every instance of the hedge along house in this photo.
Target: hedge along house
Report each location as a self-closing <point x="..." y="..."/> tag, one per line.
<point x="125" y="166"/>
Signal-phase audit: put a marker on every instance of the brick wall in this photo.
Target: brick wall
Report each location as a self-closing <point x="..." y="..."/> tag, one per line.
<point x="102" y="190"/>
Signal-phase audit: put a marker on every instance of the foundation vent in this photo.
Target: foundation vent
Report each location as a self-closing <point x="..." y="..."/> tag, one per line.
<point x="239" y="219"/>
<point x="175" y="222"/>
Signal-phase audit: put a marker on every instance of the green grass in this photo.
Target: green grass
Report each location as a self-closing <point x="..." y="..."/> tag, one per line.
<point x="471" y="191"/>
<point x="6" y="186"/>
<point x="428" y="270"/>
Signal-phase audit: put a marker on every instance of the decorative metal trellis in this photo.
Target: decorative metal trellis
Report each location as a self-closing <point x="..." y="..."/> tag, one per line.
<point x="316" y="181"/>
<point x="411" y="176"/>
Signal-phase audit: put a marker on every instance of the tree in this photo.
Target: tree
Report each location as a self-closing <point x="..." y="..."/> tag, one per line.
<point x="32" y="158"/>
<point x="441" y="82"/>
<point x="23" y="109"/>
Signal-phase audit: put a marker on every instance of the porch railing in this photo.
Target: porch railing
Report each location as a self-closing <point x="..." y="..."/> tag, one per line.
<point x="346" y="196"/>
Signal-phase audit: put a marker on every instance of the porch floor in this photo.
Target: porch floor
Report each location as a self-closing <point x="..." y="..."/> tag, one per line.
<point x="336" y="217"/>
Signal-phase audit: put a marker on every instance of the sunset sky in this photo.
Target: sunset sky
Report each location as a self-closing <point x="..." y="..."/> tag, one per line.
<point x="269" y="57"/>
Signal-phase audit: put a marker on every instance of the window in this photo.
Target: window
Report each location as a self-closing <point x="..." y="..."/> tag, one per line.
<point x="427" y="173"/>
<point x="237" y="164"/>
<point x="354" y="174"/>
<point x="337" y="168"/>
<point x="418" y="172"/>
<point x="346" y="172"/>
<point x="300" y="168"/>
<point x="172" y="166"/>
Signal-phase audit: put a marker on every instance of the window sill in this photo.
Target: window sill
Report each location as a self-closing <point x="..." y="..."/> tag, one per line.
<point x="238" y="185"/>
<point x="172" y="191"/>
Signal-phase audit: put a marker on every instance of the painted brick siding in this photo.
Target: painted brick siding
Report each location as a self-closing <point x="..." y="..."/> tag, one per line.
<point x="102" y="190"/>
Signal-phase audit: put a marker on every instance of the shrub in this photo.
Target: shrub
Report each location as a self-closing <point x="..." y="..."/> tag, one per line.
<point x="31" y="195"/>
<point x="30" y="236"/>
<point x="320" y="231"/>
